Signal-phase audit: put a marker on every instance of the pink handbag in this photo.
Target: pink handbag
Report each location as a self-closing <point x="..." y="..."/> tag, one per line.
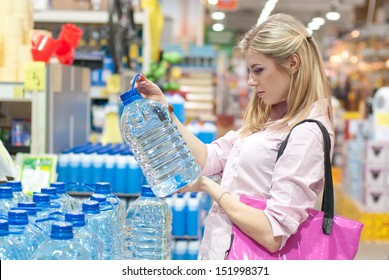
<point x="322" y="236"/>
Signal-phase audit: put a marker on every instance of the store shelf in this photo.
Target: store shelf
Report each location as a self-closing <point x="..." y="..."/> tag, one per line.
<point x="13" y="92"/>
<point x="63" y="16"/>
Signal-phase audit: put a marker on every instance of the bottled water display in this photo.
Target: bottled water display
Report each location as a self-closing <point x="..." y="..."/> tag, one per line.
<point x="90" y="240"/>
<point x="157" y="144"/>
<point x="61" y="245"/>
<point x="9" y="249"/>
<point x="148" y="230"/>
<point x="101" y="223"/>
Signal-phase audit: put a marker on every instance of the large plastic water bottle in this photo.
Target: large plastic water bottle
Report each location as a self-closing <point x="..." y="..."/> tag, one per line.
<point x="7" y="200"/>
<point x="90" y="240"/>
<point x="157" y="144"/>
<point x="9" y="250"/>
<point x="147" y="233"/>
<point x="47" y="210"/>
<point x="61" y="245"/>
<point x="17" y="191"/>
<point x="100" y="222"/>
<point x="68" y="202"/>
<point x="117" y="223"/>
<point x="22" y="232"/>
<point x="104" y="188"/>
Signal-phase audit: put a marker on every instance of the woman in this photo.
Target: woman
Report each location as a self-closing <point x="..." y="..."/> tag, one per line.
<point x="288" y="84"/>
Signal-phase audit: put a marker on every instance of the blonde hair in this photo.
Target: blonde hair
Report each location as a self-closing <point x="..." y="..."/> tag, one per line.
<point x="279" y="37"/>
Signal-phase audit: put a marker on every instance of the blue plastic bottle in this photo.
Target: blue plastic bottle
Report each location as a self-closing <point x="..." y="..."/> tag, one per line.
<point x="100" y="222"/>
<point x="9" y="250"/>
<point x="61" y="245"/>
<point x="193" y="215"/>
<point x="179" y="215"/>
<point x="17" y="191"/>
<point x="68" y="202"/>
<point x="157" y="144"/>
<point x="147" y="232"/>
<point x="7" y="200"/>
<point x="24" y="233"/>
<point x="134" y="175"/>
<point x="90" y="240"/>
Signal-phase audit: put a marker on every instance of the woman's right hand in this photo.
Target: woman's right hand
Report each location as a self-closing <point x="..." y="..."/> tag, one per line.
<point x="150" y="90"/>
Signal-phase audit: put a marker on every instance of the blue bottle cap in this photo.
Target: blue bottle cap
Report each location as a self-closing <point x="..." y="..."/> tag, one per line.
<point x="29" y="206"/>
<point x="41" y="199"/>
<point x="91" y="207"/>
<point x="61" y="230"/>
<point x="17" y="217"/>
<point x="60" y="186"/>
<point x="6" y="192"/>
<point x="98" y="197"/>
<point x="76" y="218"/>
<point x="103" y="188"/>
<point x="132" y="94"/>
<point x="4" y="230"/>
<point x="15" y="185"/>
<point x="147" y="191"/>
<point x="49" y="190"/>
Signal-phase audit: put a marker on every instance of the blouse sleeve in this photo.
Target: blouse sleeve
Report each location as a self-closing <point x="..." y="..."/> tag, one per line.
<point x="297" y="180"/>
<point x="218" y="152"/>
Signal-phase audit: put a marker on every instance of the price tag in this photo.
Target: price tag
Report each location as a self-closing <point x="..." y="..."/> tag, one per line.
<point x="113" y="83"/>
<point x="35" y="76"/>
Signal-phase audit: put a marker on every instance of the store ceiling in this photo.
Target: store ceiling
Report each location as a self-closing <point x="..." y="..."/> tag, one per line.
<point x="249" y="10"/>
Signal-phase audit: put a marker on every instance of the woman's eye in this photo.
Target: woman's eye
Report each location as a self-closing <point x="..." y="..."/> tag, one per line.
<point x="257" y="70"/>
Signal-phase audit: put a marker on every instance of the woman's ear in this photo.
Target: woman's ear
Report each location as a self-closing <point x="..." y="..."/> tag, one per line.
<point x="294" y="63"/>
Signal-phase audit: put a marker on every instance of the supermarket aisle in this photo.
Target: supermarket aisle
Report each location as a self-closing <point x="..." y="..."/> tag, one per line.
<point x="373" y="251"/>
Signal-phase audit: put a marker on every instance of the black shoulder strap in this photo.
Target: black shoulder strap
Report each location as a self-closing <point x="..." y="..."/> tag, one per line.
<point x="328" y="194"/>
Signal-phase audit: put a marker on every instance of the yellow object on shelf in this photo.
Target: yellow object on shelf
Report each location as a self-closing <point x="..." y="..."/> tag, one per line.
<point x="111" y="129"/>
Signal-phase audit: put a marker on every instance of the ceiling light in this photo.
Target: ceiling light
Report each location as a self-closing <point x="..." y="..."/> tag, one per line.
<point x="212" y="2"/>
<point x="333" y="15"/>
<point x="218" y="15"/>
<point x="318" y="20"/>
<point x="313" y="26"/>
<point x="218" y="27"/>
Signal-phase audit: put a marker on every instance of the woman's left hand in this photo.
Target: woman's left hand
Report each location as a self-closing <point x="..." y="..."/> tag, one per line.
<point x="202" y="184"/>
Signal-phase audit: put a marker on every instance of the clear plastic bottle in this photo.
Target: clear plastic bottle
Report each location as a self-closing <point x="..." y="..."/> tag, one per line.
<point x="54" y="197"/>
<point x="22" y="232"/>
<point x="104" y="188"/>
<point x="147" y="233"/>
<point x="61" y="245"/>
<point x="157" y="144"/>
<point x="9" y="249"/>
<point x="100" y="222"/>
<point x="17" y="190"/>
<point x="69" y="203"/>
<point x="7" y="200"/>
<point x="90" y="240"/>
<point x="117" y="223"/>
<point x="47" y="213"/>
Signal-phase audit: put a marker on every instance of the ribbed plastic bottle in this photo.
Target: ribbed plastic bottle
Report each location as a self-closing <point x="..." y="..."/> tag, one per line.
<point x="22" y="232"/>
<point x="7" y="200"/>
<point x="117" y="223"/>
<point x="47" y="210"/>
<point x="90" y="240"/>
<point x="9" y="250"/>
<point x="104" y="188"/>
<point x="100" y="222"/>
<point x="61" y="245"/>
<point x="68" y="202"/>
<point x="147" y="233"/>
<point x="17" y="190"/>
<point x="157" y="144"/>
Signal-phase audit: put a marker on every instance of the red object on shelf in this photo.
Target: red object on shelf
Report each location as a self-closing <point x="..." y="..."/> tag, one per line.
<point x="71" y="34"/>
<point x="42" y="47"/>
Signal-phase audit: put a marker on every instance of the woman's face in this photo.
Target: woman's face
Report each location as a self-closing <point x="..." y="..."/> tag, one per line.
<point x="268" y="82"/>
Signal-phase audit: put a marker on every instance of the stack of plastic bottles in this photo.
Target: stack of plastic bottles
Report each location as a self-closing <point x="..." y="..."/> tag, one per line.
<point x="55" y="226"/>
<point x="90" y="163"/>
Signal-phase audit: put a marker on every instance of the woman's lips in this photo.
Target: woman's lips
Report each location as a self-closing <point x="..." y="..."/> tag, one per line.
<point x="260" y="94"/>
